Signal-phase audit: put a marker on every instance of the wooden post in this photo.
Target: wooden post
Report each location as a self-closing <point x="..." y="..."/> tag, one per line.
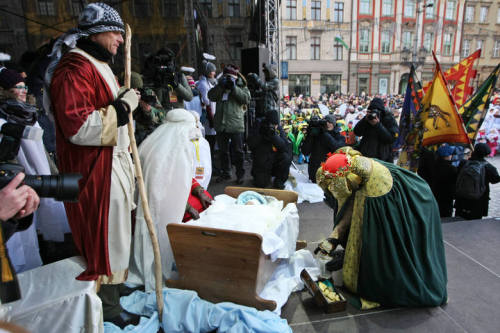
<point x="140" y="180"/>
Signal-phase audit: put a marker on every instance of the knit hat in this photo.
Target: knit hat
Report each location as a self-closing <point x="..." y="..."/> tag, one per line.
<point x="99" y="17"/>
<point x="444" y="151"/>
<point x="190" y="80"/>
<point x="377" y="104"/>
<point x="330" y="118"/>
<point x="208" y="67"/>
<point x="9" y="78"/>
<point x="231" y="70"/>
<point x="481" y="150"/>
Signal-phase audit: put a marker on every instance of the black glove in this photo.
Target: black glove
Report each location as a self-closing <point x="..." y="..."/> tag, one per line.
<point x="172" y="79"/>
<point x="337" y="261"/>
<point x="228" y="84"/>
<point x="326" y="248"/>
<point x="127" y="101"/>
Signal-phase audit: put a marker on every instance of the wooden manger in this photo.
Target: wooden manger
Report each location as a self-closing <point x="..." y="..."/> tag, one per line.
<point x="224" y="265"/>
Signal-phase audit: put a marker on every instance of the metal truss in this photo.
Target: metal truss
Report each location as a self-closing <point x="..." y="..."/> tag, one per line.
<point x="272" y="31"/>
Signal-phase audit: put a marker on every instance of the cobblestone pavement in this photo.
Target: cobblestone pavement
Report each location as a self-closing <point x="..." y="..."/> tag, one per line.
<point x="494" y="208"/>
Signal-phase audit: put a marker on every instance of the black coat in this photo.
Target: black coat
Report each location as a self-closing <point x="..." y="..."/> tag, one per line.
<point x="377" y="140"/>
<point x="268" y="151"/>
<point x="318" y="145"/>
<point x="444" y="179"/>
<point x="476" y="209"/>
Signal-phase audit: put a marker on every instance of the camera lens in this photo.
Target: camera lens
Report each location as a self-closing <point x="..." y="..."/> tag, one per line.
<point x="60" y="187"/>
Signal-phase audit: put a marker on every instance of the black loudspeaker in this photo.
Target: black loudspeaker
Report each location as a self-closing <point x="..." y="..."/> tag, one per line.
<point x="252" y="59"/>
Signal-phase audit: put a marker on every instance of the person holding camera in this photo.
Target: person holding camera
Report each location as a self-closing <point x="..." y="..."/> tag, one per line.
<point x="232" y="97"/>
<point x="378" y="130"/>
<point x="206" y="82"/>
<point x="171" y="86"/>
<point x="18" y="204"/>
<point x="268" y="89"/>
<point x="92" y="112"/>
<point x="16" y="118"/>
<point x="271" y="153"/>
<point x="323" y="137"/>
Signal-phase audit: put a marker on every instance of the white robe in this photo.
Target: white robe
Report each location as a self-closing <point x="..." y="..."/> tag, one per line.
<point x="167" y="160"/>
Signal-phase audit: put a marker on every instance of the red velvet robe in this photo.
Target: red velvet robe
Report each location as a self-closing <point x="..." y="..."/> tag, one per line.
<point x="78" y="89"/>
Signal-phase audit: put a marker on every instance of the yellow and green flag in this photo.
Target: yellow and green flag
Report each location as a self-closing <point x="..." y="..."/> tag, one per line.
<point x="475" y="109"/>
<point x="439" y="116"/>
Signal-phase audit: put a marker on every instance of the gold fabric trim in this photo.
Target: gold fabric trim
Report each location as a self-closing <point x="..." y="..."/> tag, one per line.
<point x="353" y="247"/>
<point x="379" y="182"/>
<point x="367" y="305"/>
<point x="109" y="136"/>
<point x="114" y="278"/>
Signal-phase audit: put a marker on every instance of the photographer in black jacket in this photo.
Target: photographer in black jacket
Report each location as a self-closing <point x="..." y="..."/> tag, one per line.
<point x="378" y="130"/>
<point x="323" y="137"/>
<point x="271" y="153"/>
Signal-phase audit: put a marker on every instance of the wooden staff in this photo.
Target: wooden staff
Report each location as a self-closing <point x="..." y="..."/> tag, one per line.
<point x="140" y="180"/>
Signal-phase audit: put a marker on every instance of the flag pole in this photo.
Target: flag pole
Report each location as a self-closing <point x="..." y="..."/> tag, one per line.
<point x="140" y="179"/>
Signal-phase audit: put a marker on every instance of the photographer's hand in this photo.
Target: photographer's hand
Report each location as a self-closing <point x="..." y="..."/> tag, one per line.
<point x="373" y="121"/>
<point x="18" y="202"/>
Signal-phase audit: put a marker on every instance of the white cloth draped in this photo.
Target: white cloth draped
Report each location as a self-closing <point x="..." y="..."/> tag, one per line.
<point x="50" y="217"/>
<point x="167" y="159"/>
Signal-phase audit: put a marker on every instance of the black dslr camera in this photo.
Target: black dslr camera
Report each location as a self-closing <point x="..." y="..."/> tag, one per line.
<point x="60" y="187"/>
<point x="317" y="122"/>
<point x="372" y="114"/>
<point x="164" y="63"/>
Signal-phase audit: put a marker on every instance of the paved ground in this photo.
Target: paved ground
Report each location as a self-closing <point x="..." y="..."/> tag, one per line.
<point x="473" y="263"/>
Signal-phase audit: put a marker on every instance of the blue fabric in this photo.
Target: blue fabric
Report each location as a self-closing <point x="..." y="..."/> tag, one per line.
<point x="184" y="311"/>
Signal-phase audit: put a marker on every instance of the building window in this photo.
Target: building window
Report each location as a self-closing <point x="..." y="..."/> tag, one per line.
<point x="385" y="40"/>
<point x="410" y="8"/>
<point x="498" y="16"/>
<point x="466" y="48"/>
<point x="364" y="7"/>
<point x="235" y="45"/>
<point x="338" y="50"/>
<point x="483" y="14"/>
<point x="480" y="44"/>
<point x="291" y="47"/>
<point x="387" y="8"/>
<point x="496" y="49"/>
<point x="364" y="40"/>
<point x="46" y="8"/>
<point x="451" y="7"/>
<point x="234" y="8"/>
<point x="142" y="8"/>
<point x="316" y="10"/>
<point x="291" y="9"/>
<point x="469" y="14"/>
<point x="363" y="85"/>
<point x="428" y="41"/>
<point x="206" y="7"/>
<point x="299" y="84"/>
<point x="170" y="8"/>
<point x="338" y="12"/>
<point x="429" y="11"/>
<point x="330" y="83"/>
<point x="315" y="48"/>
<point x="383" y="84"/>
<point x="76" y="7"/>
<point x="407" y="40"/>
<point x="447" y="44"/>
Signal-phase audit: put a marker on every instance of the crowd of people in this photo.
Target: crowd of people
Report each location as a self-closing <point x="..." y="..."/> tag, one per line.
<point x="210" y="123"/>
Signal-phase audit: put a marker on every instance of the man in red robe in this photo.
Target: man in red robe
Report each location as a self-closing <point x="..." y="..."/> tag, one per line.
<point x="91" y="115"/>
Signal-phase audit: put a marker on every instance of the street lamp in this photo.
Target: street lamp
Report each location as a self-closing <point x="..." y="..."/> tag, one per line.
<point x="417" y="57"/>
